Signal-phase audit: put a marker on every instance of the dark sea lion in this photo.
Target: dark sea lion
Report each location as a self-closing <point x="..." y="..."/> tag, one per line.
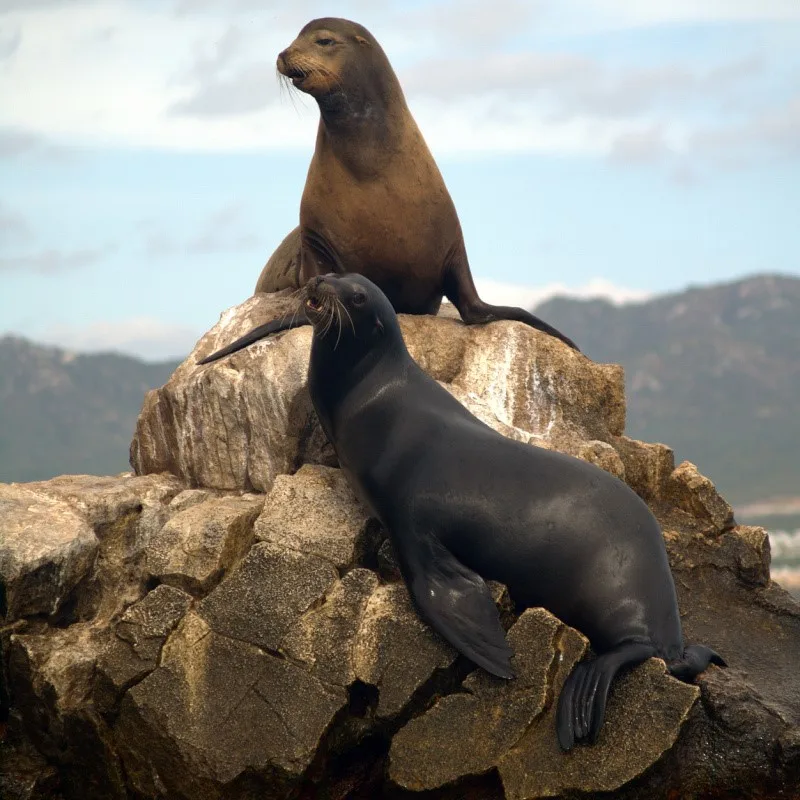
<point x="374" y="201"/>
<point x="463" y="503"/>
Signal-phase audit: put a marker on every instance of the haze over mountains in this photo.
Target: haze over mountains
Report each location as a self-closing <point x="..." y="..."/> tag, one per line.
<point x="714" y="372"/>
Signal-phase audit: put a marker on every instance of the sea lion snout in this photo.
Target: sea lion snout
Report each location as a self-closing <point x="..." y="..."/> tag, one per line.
<point x="285" y="63"/>
<point x="317" y="289"/>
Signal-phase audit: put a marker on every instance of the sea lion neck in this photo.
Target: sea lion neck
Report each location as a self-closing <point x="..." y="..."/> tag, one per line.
<point x="341" y="364"/>
<point x="365" y="119"/>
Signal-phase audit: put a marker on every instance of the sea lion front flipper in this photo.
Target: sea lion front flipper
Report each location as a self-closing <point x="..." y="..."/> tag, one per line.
<point x="457" y="604"/>
<point x="261" y="332"/>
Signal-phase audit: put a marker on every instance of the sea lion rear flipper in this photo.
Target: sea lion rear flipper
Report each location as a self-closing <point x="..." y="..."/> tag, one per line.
<point x="460" y="290"/>
<point x="275" y="326"/>
<point x="582" y="703"/>
<point x="457" y="604"/>
<point x="695" y="659"/>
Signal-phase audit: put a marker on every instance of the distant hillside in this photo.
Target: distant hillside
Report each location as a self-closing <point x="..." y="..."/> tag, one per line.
<point x="714" y="372"/>
<point x="62" y="413"/>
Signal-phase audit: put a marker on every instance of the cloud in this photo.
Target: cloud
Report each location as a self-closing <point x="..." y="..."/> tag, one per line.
<point x="577" y="86"/>
<point x="625" y="12"/>
<point x="13" y="226"/>
<point x="474" y="22"/>
<point x="249" y="89"/>
<point x="217" y="234"/>
<point x="9" y="43"/>
<point x="14" y="142"/>
<point x="640" y="147"/>
<point x="499" y="293"/>
<point x="7" y="6"/>
<point x="143" y="337"/>
<point x="208" y="82"/>
<point x="49" y="261"/>
<point x="777" y="129"/>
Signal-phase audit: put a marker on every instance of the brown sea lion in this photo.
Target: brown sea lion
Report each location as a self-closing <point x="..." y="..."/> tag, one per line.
<point x="374" y="202"/>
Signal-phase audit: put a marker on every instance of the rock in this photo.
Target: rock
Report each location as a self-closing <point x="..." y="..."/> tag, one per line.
<point x="315" y="511"/>
<point x="266" y="594"/>
<point x="103" y="500"/>
<point x="51" y="674"/>
<point x="395" y="651"/>
<point x="388" y="566"/>
<point x="511" y="725"/>
<point x="325" y="638"/>
<point x="240" y="422"/>
<point x="24" y="773"/>
<point x="225" y="427"/>
<point x="603" y="455"/>
<point x="134" y="651"/>
<point x="175" y="636"/>
<point x="46" y="549"/>
<point x="195" y="547"/>
<point x="217" y="709"/>
<point x="696" y="495"/>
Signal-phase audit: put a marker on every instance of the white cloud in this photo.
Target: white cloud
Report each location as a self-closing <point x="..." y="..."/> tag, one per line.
<point x="637" y="12"/>
<point x="199" y="75"/>
<point x="220" y="232"/>
<point x="13" y="226"/>
<point x="508" y="294"/>
<point x="50" y="260"/>
<point x="143" y="337"/>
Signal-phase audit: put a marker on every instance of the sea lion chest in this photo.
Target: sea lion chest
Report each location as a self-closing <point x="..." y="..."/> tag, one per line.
<point x="392" y="220"/>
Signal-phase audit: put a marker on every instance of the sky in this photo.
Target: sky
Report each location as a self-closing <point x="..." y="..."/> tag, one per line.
<point x="151" y="160"/>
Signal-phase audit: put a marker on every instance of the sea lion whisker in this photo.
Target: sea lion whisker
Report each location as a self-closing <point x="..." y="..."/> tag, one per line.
<point x="309" y="65"/>
<point x="336" y="307"/>
<point x="344" y="308"/>
<point x="327" y="310"/>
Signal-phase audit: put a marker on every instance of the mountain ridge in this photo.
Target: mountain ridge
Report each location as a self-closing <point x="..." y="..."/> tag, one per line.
<point x="712" y="371"/>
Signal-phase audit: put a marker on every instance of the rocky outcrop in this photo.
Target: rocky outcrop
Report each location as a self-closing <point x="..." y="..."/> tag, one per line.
<point x="181" y="635"/>
<point x="241" y="422"/>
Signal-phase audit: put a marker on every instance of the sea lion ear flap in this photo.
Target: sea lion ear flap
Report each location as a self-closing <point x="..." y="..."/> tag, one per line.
<point x="362" y="41"/>
<point x="378" y="325"/>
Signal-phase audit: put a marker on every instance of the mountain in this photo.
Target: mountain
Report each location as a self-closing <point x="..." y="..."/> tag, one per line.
<point x="713" y="371"/>
<point x="61" y="412"/>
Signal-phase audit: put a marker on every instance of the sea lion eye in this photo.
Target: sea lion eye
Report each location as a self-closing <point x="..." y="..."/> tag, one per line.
<point x="359" y="298"/>
<point x="324" y="41"/>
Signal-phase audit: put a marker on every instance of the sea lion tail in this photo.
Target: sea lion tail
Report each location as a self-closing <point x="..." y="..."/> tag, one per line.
<point x="582" y="703"/>
<point x="275" y="326"/>
<point x="695" y="660"/>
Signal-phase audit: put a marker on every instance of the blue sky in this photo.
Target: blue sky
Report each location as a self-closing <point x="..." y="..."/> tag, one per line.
<point x="150" y="160"/>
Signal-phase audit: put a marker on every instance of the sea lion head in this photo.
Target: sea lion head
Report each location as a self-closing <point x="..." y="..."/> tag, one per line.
<point x="350" y="314"/>
<point x="336" y="57"/>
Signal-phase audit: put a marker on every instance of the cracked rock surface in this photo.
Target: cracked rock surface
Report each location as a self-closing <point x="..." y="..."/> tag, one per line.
<point x="230" y="623"/>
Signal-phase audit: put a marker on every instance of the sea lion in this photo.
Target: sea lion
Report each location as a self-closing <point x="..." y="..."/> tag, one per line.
<point x="464" y="504"/>
<point x="374" y="200"/>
